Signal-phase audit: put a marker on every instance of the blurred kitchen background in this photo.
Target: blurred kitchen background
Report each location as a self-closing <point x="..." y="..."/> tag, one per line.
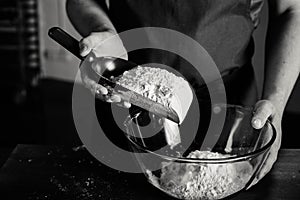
<point x="37" y="76"/>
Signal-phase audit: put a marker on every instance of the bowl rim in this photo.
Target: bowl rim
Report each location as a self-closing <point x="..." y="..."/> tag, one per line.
<point x="231" y="159"/>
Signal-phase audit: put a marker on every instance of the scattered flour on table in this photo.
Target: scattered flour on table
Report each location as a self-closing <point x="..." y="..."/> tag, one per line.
<point x="205" y="181"/>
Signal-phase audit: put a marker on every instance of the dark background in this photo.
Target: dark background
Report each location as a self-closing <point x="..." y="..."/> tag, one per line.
<point x="37" y="77"/>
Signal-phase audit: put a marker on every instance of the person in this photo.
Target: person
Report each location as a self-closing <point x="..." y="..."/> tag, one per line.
<point x="224" y="29"/>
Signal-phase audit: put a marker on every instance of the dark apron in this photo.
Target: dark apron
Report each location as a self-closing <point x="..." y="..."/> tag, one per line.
<point x="223" y="27"/>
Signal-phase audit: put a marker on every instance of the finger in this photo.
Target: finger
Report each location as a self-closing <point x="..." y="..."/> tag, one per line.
<point x="262" y="111"/>
<point x="272" y="156"/>
<point x="87" y="44"/>
<point x="115" y="98"/>
<point x="84" y="47"/>
<point x="101" y="90"/>
<point x="126" y="104"/>
<point x="91" y="42"/>
<point x="266" y="166"/>
<point x="261" y="173"/>
<point x="94" y="87"/>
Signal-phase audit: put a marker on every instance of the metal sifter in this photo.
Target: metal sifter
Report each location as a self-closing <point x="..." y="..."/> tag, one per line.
<point x="121" y="65"/>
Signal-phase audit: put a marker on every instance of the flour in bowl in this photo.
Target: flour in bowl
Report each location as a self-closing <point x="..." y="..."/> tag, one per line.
<point x="202" y="181"/>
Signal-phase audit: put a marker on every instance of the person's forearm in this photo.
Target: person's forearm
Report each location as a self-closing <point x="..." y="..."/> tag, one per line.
<point x="87" y="16"/>
<point x="282" y="58"/>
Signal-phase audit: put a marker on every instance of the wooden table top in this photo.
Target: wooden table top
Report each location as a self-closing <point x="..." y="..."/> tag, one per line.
<point x="47" y="172"/>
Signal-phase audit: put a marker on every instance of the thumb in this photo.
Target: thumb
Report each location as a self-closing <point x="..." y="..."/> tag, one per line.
<point x="90" y="42"/>
<point x="262" y="111"/>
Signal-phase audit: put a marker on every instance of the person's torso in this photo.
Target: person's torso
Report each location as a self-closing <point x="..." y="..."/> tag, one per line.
<point x="222" y="27"/>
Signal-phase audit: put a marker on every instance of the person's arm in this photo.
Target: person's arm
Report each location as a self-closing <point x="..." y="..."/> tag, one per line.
<point x="282" y="68"/>
<point x="89" y="16"/>
<point x="90" y="19"/>
<point x="282" y="53"/>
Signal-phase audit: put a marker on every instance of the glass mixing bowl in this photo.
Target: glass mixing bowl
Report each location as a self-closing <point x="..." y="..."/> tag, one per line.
<point x="194" y="170"/>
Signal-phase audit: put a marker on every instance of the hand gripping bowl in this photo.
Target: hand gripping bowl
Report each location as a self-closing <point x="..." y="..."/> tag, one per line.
<point x="219" y="171"/>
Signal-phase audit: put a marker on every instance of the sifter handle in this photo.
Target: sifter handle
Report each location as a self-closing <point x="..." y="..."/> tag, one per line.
<point x="65" y="40"/>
